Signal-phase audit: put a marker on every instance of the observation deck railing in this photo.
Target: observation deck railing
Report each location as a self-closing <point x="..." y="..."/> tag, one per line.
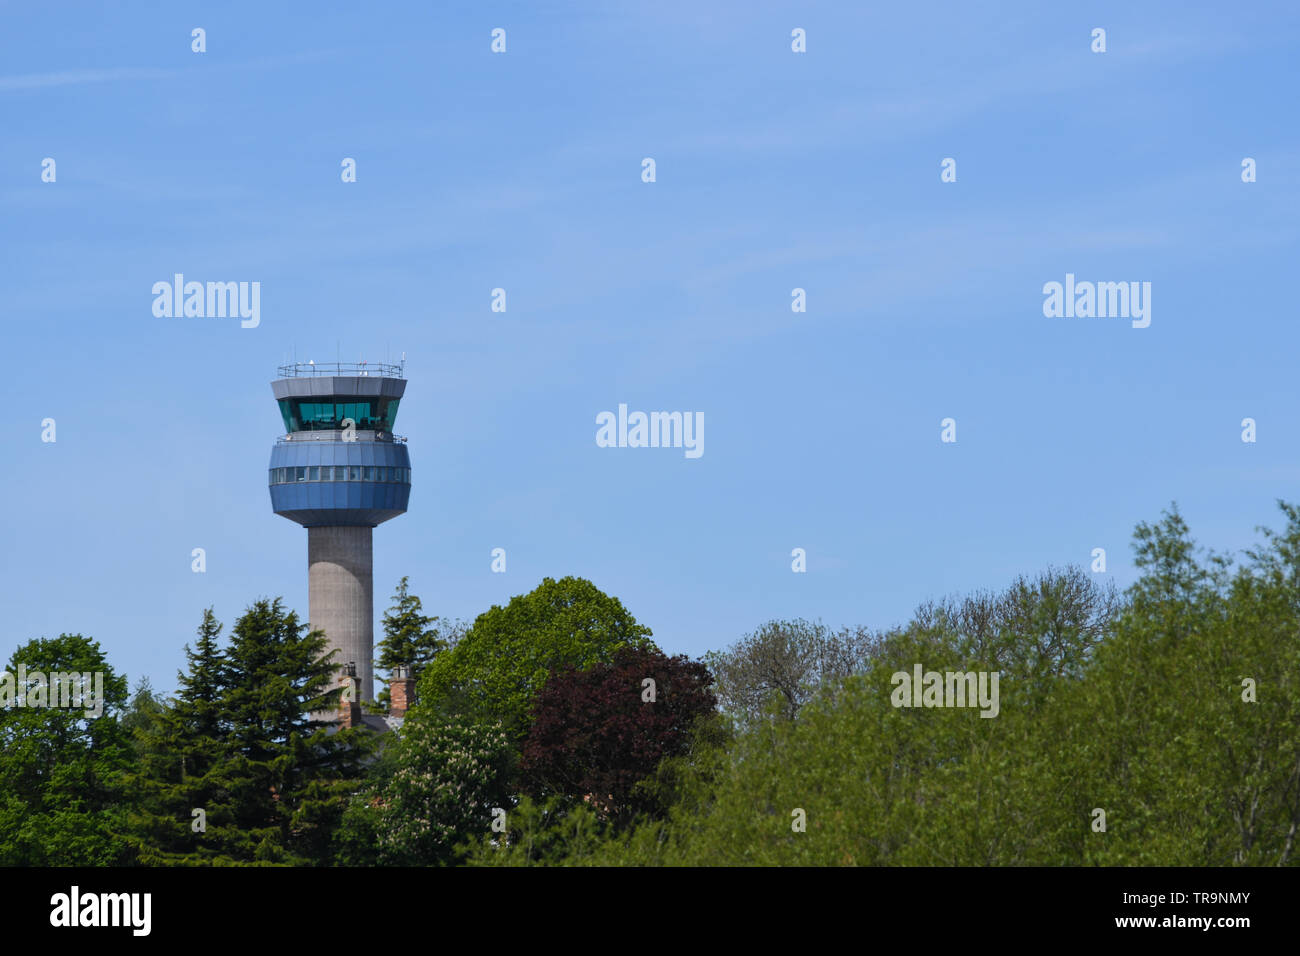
<point x="377" y="369"/>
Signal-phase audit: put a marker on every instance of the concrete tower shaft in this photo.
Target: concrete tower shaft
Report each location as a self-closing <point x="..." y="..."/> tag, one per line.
<point x="341" y="592"/>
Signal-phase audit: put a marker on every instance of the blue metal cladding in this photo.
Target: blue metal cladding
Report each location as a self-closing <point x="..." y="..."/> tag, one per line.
<point x="318" y="503"/>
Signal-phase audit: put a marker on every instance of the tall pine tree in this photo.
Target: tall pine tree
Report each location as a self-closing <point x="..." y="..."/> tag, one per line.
<point x="411" y="637"/>
<point x="288" y="774"/>
<point x="243" y="743"/>
<point x="182" y="749"/>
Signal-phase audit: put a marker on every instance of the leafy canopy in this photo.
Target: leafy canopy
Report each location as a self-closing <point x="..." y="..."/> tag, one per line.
<point x="503" y="661"/>
<point x="597" y="733"/>
<point x="61" y="795"/>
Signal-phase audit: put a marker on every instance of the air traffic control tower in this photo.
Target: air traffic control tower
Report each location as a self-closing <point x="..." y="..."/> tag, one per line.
<point x="339" y="471"/>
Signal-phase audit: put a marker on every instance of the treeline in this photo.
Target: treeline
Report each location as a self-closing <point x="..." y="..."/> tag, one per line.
<point x="1156" y="727"/>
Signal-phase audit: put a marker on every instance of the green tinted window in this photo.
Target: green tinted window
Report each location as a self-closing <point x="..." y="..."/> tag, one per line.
<point x="314" y="414"/>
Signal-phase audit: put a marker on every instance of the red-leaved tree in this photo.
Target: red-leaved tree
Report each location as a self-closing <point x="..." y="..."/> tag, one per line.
<point x="596" y="733"/>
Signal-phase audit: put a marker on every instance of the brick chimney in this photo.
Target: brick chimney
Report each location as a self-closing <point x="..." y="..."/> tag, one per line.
<point x="349" y="700"/>
<point x="401" y="691"/>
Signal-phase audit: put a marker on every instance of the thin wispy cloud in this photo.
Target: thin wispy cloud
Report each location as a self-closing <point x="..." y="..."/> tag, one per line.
<point x="39" y="81"/>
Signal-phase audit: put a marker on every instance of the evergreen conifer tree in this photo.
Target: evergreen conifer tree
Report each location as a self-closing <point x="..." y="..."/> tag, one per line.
<point x="249" y="742"/>
<point x="181" y="756"/>
<point x="288" y="774"/>
<point x="410" y="636"/>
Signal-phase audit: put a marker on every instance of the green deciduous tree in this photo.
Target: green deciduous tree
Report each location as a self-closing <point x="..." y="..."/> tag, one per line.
<point x="779" y="667"/>
<point x="1175" y="712"/>
<point x="1189" y="769"/>
<point x="541" y="833"/>
<point x="434" y="789"/>
<point x="61" y="793"/>
<point x="504" y="659"/>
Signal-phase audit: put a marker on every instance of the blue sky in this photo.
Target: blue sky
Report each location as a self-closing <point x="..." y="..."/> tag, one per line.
<point x="522" y="170"/>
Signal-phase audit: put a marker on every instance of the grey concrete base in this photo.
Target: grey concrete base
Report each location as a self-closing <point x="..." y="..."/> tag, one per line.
<point x="340" y="585"/>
